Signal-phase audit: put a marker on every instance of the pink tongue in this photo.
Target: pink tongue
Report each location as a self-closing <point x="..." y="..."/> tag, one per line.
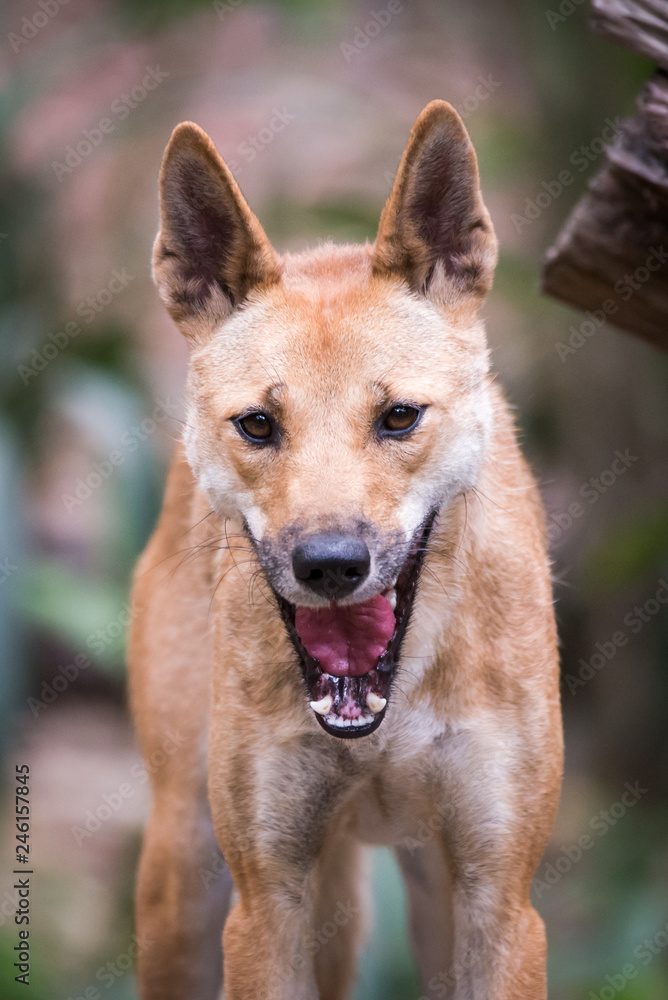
<point x="347" y="641"/>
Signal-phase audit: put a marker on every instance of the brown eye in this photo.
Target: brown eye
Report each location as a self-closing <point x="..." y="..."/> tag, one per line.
<point x="256" y="426"/>
<point x="400" y="419"/>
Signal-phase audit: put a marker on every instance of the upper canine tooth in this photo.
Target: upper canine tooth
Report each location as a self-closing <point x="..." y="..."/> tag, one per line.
<point x="323" y="706"/>
<point x="391" y="598"/>
<point x="375" y="703"/>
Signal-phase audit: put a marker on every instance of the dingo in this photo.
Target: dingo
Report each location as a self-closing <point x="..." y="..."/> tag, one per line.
<point x="345" y="611"/>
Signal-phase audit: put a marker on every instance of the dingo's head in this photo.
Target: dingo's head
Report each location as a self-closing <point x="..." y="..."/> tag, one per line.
<point x="337" y="399"/>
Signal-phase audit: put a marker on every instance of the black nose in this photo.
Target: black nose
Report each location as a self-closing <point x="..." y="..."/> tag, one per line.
<point x="331" y="565"/>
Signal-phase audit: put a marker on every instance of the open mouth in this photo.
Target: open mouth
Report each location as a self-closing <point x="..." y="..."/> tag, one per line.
<point x="349" y="653"/>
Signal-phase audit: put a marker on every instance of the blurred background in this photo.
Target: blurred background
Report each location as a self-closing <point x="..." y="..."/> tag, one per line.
<point x="311" y="103"/>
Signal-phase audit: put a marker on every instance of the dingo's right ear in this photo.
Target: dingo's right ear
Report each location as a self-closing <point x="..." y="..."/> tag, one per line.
<point x="211" y="250"/>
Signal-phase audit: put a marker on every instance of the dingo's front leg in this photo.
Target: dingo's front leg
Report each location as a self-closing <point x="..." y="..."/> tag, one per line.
<point x="500" y="821"/>
<point x="280" y="815"/>
<point x="183" y="893"/>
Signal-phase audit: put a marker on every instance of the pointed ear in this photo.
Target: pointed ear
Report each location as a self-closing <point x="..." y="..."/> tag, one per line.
<point x="211" y="250"/>
<point x="435" y="231"/>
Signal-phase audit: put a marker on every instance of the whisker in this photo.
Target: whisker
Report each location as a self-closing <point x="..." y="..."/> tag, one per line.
<point x="235" y="565"/>
<point x="483" y="496"/>
<point x="193" y="550"/>
<point x="258" y="580"/>
<point x="434" y="576"/>
<point x="197" y="523"/>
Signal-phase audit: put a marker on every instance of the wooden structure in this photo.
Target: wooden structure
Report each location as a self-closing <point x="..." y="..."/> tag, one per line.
<point x="611" y="258"/>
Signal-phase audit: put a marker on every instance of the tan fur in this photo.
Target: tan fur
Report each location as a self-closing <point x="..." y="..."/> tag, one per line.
<point x="462" y="777"/>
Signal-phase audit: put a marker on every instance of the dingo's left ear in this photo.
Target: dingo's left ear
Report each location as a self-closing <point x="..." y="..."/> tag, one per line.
<point x="435" y="231"/>
<point x="211" y="250"/>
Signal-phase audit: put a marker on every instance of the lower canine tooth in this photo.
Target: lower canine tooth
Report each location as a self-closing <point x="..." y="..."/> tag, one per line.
<point x="323" y="706"/>
<point x="375" y="703"/>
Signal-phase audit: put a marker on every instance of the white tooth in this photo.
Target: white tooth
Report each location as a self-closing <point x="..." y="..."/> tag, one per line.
<point x="375" y="703"/>
<point x="391" y="598"/>
<point x="323" y="706"/>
